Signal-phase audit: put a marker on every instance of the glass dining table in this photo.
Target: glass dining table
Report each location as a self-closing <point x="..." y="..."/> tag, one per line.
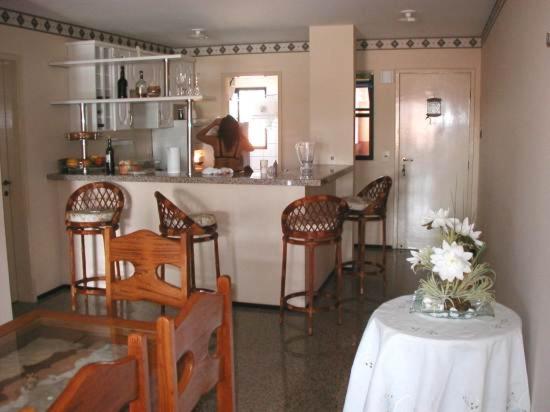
<point x="42" y="350"/>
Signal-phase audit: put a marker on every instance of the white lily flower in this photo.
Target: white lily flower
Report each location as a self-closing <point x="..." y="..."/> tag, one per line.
<point x="451" y="261"/>
<point x="466" y="229"/>
<point x="438" y="219"/>
<point x="414" y="260"/>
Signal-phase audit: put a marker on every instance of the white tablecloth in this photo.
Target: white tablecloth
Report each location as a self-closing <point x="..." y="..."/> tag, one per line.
<point x="414" y="362"/>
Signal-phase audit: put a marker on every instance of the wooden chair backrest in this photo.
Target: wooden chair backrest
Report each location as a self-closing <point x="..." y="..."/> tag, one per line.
<point x="173" y="220"/>
<point x="147" y="252"/>
<point x="182" y="346"/>
<point x="109" y="386"/>
<point x="376" y="194"/>
<point x="314" y="217"/>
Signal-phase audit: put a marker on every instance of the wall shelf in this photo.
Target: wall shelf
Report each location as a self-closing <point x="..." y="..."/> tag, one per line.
<point x="136" y="59"/>
<point x="130" y="100"/>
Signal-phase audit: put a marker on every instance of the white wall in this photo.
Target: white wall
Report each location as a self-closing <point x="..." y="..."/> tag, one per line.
<point x="332" y="92"/>
<point x="385" y="108"/>
<point x="514" y="197"/>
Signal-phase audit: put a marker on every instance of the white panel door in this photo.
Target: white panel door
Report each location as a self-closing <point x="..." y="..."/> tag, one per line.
<point x="432" y="153"/>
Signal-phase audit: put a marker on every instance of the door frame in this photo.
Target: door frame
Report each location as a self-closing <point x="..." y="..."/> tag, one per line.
<point x="471" y="192"/>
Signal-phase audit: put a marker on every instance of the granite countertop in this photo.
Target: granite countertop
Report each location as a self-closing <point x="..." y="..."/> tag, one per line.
<point x="320" y="175"/>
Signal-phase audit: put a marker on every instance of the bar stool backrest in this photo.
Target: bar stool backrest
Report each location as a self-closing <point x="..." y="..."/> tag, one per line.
<point x="186" y="367"/>
<point x="148" y="253"/>
<point x="173" y="220"/>
<point x="96" y="196"/>
<point x="317" y="217"/>
<point x="376" y="194"/>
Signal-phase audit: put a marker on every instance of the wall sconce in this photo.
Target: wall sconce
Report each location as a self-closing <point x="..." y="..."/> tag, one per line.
<point x="433" y="108"/>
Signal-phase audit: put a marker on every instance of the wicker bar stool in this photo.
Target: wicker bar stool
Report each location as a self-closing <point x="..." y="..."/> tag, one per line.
<point x="89" y="209"/>
<point x="368" y="206"/>
<point x="203" y="226"/>
<point x="313" y="221"/>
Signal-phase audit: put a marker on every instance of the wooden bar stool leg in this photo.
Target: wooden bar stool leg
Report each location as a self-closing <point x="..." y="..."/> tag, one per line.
<point x="217" y="256"/>
<point x="283" y="284"/>
<point x="83" y="258"/>
<point x="361" y="259"/>
<point x="310" y="287"/>
<point x="384" y="242"/>
<point x="192" y="265"/>
<point x="72" y="268"/>
<point x="339" y="280"/>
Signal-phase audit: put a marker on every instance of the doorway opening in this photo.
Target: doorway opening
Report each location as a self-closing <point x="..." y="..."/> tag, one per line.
<point x="254" y="101"/>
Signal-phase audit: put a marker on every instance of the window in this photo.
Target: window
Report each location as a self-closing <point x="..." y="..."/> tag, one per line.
<point x="254" y="101"/>
<point x="245" y="105"/>
<point x="364" y="125"/>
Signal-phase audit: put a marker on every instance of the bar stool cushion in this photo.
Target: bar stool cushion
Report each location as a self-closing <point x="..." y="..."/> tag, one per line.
<point x="91" y="216"/>
<point x="204" y="219"/>
<point x="356" y="203"/>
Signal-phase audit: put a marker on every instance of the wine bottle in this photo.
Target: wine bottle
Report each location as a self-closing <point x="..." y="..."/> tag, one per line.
<point x="122" y="85"/>
<point x="141" y="86"/>
<point x="109" y="158"/>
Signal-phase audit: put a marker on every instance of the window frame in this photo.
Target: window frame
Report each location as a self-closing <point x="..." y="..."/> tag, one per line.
<point x="365" y="83"/>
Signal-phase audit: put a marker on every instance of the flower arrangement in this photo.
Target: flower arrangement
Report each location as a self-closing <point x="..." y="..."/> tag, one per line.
<point x="457" y="283"/>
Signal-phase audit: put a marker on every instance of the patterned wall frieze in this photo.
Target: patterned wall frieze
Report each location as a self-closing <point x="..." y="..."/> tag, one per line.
<point x="74" y="31"/>
<point x="246" y="48"/>
<point x="419" y="43"/>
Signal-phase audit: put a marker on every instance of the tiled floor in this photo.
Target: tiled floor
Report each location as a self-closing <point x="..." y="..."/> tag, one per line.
<point x="281" y="368"/>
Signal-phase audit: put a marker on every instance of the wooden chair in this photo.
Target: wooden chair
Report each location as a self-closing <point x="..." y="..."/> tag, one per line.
<point x="109" y="386"/>
<point x="311" y="222"/>
<point x="203" y="227"/>
<point x="89" y="209"/>
<point x="185" y="368"/>
<point x="147" y="252"/>
<point x="369" y="206"/>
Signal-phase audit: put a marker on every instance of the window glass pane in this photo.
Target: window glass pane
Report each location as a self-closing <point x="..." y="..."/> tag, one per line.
<point x="250" y="107"/>
<point x="362" y="100"/>
<point x="362" y="136"/>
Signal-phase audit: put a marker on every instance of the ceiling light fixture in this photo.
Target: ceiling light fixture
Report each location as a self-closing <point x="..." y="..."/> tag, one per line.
<point x="198" y="34"/>
<point x="408" y="16"/>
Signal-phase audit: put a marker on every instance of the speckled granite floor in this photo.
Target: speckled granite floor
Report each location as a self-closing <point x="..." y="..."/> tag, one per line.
<point x="281" y="368"/>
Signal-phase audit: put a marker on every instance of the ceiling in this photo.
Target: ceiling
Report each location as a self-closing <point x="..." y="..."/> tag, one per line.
<point x="240" y="21"/>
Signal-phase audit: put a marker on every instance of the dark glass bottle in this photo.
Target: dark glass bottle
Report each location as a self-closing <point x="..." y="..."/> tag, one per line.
<point x="109" y="158"/>
<point x="122" y="85"/>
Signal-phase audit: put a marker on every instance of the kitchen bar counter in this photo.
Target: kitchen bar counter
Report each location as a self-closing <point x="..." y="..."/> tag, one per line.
<point x="322" y="174"/>
<point x="248" y="212"/>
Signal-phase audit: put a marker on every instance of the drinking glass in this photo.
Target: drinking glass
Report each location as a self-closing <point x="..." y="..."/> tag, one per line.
<point x="181" y="81"/>
<point x="305" y="152"/>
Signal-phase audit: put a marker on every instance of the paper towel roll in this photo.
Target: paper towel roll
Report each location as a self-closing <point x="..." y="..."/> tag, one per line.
<point x="173" y="160"/>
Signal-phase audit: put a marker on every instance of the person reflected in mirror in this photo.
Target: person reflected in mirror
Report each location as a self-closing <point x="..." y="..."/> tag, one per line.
<point x="229" y="143"/>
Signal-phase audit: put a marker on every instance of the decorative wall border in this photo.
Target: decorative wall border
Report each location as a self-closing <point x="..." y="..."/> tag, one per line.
<point x="247" y="48"/>
<point x="419" y="43"/>
<point x="74" y="31"/>
<point x="28" y="21"/>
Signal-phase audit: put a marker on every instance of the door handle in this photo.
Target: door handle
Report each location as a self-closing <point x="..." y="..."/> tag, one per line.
<point x="6" y="184"/>
<point x="407" y="159"/>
